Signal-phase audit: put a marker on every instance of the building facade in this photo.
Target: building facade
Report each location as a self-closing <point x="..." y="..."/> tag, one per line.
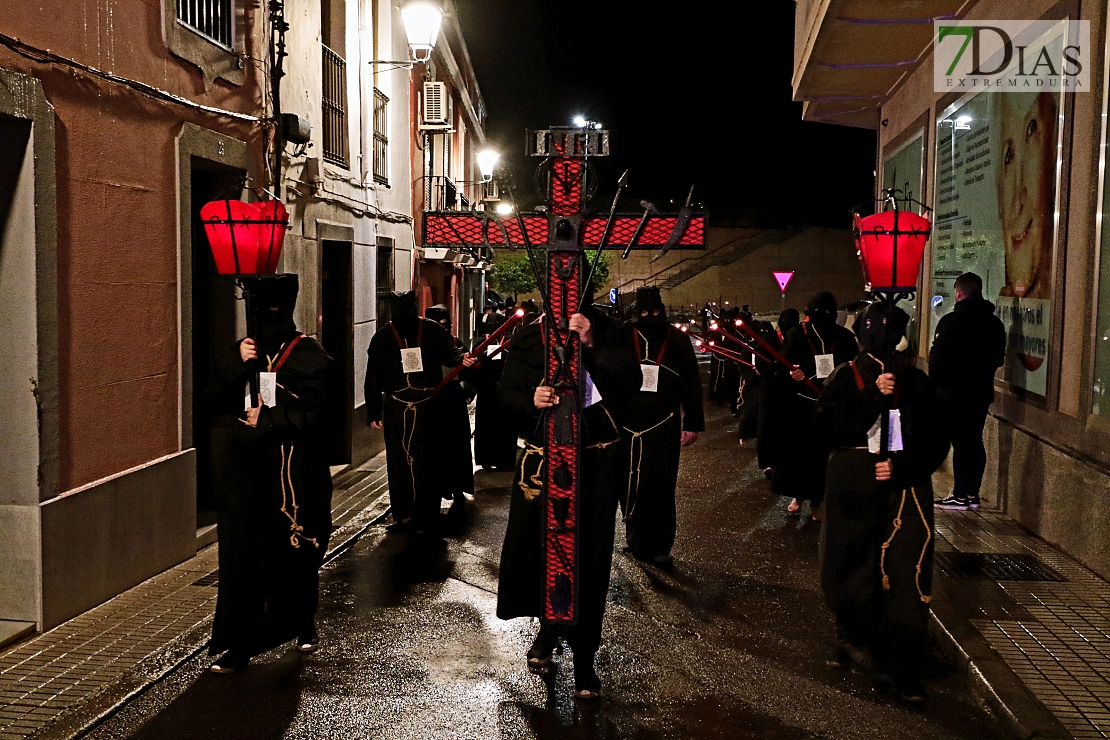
<point x="451" y="131"/>
<point x="120" y="125"/>
<point x="1016" y="184"/>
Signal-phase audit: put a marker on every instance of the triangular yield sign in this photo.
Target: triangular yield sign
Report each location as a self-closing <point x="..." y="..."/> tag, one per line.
<point x="783" y="279"/>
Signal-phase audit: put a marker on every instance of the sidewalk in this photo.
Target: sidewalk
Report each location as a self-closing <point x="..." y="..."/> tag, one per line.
<point x="1031" y="623"/>
<point x="60" y="683"/>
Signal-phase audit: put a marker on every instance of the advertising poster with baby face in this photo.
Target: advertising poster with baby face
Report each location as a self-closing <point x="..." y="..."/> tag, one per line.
<point x="996" y="191"/>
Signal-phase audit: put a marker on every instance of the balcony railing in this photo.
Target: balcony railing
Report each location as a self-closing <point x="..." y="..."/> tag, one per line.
<point x="335" y="107"/>
<point x="443" y="194"/>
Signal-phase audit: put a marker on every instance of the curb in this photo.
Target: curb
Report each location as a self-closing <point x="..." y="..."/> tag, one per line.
<point x="1021" y="714"/>
<point x="164" y="661"/>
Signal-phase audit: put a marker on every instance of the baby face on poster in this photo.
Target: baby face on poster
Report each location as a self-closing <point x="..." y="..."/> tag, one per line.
<point x="1026" y="179"/>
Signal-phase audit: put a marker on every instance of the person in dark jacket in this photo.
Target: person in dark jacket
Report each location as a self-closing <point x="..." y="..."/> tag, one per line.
<point x="968" y="347"/>
<point x="876" y="547"/>
<point x="272" y="482"/>
<point x="815" y="348"/>
<point x="526" y="396"/>
<point x="665" y="415"/>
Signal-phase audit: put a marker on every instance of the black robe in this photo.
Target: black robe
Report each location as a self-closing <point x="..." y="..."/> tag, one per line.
<point x="800" y="468"/>
<point x="421" y="441"/>
<point x="273" y="498"/>
<point x="495" y="434"/>
<point x="773" y="390"/>
<point x="457" y="453"/>
<point x="651" y="426"/>
<point x="520" y="579"/>
<point x="880" y="598"/>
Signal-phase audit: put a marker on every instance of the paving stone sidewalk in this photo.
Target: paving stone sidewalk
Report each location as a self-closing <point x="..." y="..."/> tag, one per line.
<point x="57" y="684"/>
<point x="1012" y="601"/>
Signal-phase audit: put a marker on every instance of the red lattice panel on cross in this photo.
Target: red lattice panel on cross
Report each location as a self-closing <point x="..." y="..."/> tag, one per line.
<point x="451" y="230"/>
<point x="561" y="449"/>
<point x="497" y="229"/>
<point x="656" y="232"/>
<point x="566" y="186"/>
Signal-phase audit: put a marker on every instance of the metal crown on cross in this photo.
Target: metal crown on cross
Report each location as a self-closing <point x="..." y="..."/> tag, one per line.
<point x="564" y="232"/>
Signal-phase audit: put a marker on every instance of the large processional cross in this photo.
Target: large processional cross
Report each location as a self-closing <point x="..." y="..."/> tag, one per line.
<point x="564" y="232"/>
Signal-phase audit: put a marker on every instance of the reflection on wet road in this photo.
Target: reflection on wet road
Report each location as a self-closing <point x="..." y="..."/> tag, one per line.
<point x="730" y="644"/>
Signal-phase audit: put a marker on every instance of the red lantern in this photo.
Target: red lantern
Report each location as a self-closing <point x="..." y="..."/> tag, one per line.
<point x="245" y="238"/>
<point x="890" y="246"/>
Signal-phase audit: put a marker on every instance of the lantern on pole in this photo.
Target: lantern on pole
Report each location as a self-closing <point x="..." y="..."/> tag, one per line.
<point x="890" y="246"/>
<point x="246" y="241"/>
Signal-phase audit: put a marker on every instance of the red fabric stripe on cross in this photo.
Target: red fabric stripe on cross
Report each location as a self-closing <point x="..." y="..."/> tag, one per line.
<point x="566" y="186"/>
<point x="560" y="553"/>
<point x="656" y="232"/>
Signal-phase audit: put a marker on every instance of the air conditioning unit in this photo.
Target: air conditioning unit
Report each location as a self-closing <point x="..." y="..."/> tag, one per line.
<point x="490" y="191"/>
<point x="437" y="107"/>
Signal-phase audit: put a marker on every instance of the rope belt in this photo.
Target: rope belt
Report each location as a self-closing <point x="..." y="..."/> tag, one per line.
<point x="924" y="548"/>
<point x="634" y="461"/>
<point x="289" y="501"/>
<point x="407" y="433"/>
<point x="531" y="485"/>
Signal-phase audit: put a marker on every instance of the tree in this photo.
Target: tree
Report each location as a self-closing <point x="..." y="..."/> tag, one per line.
<point x="601" y="272"/>
<point x="511" y="274"/>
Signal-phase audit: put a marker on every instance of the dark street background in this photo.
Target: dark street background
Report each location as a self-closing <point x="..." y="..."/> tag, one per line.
<point x="731" y="644"/>
<point x="696" y="93"/>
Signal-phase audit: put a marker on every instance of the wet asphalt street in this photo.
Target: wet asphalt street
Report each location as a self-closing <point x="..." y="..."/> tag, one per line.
<point x="730" y="644"/>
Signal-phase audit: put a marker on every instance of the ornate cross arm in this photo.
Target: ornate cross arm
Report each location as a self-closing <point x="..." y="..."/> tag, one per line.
<point x="461" y="229"/>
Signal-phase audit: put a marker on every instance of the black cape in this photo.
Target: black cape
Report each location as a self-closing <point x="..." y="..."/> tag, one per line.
<point x="422" y="437"/>
<point x="520" y="579"/>
<point x="800" y="465"/>
<point x="880" y="600"/>
<point x="651" y="424"/>
<point x="273" y="498"/>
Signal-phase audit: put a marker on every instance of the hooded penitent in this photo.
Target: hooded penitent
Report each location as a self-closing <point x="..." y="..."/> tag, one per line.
<point x="788" y="319"/>
<point x="822" y="309"/>
<point x="439" y="314"/>
<point x="272" y="302"/>
<point x="648" y="300"/>
<point x="871" y="329"/>
<point x="403" y="311"/>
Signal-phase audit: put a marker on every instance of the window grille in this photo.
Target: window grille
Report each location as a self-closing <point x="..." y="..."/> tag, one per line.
<point x="335" y="107"/>
<point x="381" y="137"/>
<point x="210" y="18"/>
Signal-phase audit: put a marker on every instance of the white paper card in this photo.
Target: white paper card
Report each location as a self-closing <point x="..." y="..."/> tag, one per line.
<point x="267" y="391"/>
<point x="825" y="366"/>
<point x="411" y="361"/>
<point x="874" y="436"/>
<point x="651" y="378"/>
<point x="592" y="395"/>
<point x="492" y="348"/>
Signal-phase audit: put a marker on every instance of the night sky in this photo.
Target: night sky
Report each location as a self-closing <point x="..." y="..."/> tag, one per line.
<point x="703" y="98"/>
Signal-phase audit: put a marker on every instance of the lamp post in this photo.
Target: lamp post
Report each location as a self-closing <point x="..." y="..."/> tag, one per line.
<point x="890" y="245"/>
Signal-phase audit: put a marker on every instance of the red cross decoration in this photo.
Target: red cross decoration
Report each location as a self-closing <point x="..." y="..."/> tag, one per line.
<point x="564" y="231"/>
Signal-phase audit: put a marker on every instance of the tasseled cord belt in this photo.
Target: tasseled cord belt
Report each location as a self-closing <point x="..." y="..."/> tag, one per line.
<point x="635" y="458"/>
<point x="924" y="548"/>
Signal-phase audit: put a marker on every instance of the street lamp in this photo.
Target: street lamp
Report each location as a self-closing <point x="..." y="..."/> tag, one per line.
<point x="422" y="19"/>
<point x="504" y="209"/>
<point x="487" y="161"/>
